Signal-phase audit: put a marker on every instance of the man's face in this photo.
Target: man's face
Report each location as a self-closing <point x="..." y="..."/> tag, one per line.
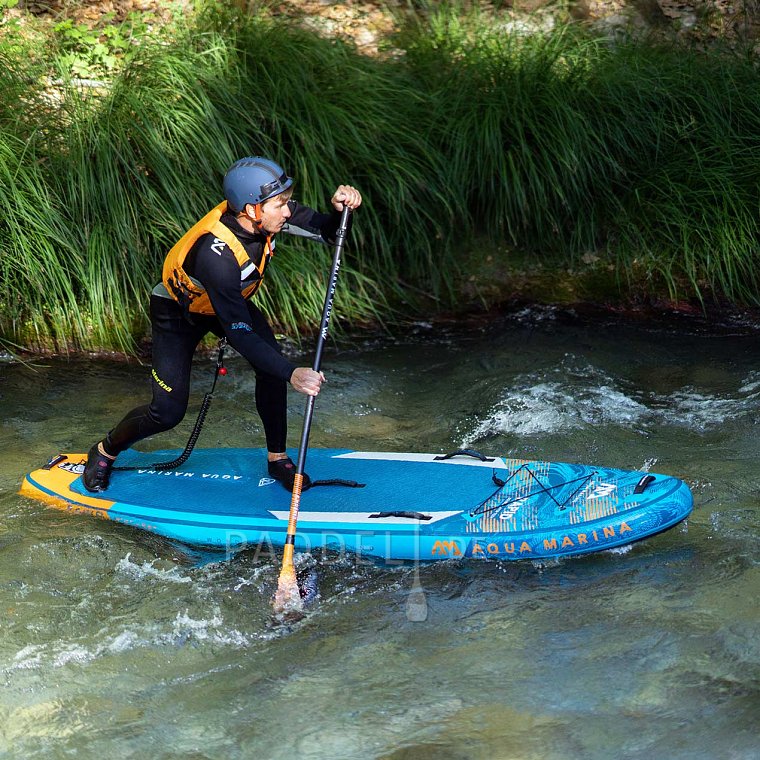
<point x="274" y="213"/>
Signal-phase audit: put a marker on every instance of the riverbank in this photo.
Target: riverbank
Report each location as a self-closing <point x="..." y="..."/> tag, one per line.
<point x="682" y="318"/>
<point x="551" y="166"/>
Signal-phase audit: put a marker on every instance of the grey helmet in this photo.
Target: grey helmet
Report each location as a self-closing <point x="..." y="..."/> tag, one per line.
<point x="254" y="180"/>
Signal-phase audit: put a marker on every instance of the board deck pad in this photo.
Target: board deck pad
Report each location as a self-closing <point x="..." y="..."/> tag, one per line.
<point x="410" y="506"/>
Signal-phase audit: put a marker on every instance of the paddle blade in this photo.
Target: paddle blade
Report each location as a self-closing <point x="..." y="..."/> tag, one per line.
<point x="416" y="602"/>
<point x="288" y="595"/>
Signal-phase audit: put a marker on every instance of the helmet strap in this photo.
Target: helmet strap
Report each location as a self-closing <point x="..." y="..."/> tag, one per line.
<point x="256" y="218"/>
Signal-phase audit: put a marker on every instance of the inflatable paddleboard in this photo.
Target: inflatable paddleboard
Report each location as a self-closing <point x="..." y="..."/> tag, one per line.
<point x="395" y="507"/>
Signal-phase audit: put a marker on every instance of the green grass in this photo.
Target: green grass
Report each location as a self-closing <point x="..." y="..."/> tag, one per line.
<point x="559" y="144"/>
<point x="564" y="145"/>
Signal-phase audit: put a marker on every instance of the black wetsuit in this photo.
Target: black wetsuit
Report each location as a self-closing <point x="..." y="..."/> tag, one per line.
<point x="177" y="334"/>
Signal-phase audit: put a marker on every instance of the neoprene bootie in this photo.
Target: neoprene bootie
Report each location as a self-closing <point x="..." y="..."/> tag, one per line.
<point x="97" y="471"/>
<point x="285" y="471"/>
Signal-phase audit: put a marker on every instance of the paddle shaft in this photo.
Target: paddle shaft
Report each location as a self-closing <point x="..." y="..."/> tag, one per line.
<point x="340" y="237"/>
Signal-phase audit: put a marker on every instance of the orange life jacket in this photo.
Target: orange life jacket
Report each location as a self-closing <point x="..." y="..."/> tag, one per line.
<point x="190" y="293"/>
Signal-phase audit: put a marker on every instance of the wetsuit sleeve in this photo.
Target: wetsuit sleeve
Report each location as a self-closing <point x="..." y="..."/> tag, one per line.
<point x="220" y="276"/>
<point x="306" y="222"/>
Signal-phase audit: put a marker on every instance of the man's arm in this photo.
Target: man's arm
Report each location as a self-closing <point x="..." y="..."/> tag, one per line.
<point x="307" y="222"/>
<point x="220" y="276"/>
<point x="311" y="224"/>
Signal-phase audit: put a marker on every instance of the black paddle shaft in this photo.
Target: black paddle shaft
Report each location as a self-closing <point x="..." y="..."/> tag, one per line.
<point x="340" y="237"/>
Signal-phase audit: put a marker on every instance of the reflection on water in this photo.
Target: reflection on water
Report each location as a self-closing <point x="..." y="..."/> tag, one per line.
<point x="118" y="643"/>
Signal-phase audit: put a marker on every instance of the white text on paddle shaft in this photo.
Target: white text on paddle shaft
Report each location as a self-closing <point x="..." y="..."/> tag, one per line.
<point x="180" y="474"/>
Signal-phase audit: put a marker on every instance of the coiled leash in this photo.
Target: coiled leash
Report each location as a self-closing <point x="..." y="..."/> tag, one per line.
<point x="195" y="434"/>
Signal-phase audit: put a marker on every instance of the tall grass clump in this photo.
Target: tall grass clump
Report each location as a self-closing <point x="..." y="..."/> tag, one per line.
<point x="41" y="272"/>
<point x="519" y="151"/>
<point x="567" y="145"/>
<point x="689" y="213"/>
<point x="334" y="116"/>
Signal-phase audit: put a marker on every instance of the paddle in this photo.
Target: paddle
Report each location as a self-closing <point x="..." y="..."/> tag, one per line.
<point x="288" y="596"/>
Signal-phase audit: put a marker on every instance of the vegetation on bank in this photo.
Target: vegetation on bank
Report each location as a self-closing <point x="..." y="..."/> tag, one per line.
<point x="481" y="154"/>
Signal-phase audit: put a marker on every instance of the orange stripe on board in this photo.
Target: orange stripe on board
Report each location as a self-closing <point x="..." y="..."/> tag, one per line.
<point x="58" y="482"/>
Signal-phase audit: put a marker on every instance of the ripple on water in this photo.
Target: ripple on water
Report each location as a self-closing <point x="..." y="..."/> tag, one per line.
<point x="537" y="403"/>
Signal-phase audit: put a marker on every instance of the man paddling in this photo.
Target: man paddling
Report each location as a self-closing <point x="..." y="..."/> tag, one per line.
<point x="209" y="279"/>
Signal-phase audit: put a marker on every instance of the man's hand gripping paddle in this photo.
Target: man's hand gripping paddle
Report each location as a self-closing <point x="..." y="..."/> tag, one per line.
<point x="288" y="596"/>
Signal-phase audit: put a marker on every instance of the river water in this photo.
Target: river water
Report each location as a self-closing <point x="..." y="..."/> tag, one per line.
<point x="117" y="643"/>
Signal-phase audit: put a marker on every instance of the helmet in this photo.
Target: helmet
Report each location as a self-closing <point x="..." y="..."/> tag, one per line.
<point x="253" y="180"/>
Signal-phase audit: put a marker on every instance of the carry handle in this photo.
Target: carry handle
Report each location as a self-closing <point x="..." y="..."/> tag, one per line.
<point x="465" y="452"/>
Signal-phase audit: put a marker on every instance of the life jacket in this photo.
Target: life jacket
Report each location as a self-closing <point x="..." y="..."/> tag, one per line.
<point x="190" y="293"/>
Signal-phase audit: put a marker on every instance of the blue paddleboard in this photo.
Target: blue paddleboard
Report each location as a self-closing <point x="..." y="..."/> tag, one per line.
<point x="404" y="506"/>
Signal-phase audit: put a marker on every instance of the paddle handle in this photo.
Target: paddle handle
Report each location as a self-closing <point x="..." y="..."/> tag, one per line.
<point x="340" y="239"/>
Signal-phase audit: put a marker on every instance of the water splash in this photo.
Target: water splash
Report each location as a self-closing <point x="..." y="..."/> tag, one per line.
<point x="551" y="408"/>
<point x="149" y="570"/>
<point x="182" y="630"/>
<point x="539" y="404"/>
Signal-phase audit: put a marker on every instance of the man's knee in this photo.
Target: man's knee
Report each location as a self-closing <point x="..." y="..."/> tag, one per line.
<point x="167" y="414"/>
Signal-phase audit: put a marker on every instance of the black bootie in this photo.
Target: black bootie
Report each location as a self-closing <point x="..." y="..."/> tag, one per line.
<point x="97" y="471"/>
<point x="285" y="471"/>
